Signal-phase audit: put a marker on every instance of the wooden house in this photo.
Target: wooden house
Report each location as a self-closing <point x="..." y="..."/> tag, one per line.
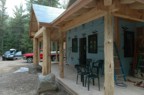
<point x="90" y="28"/>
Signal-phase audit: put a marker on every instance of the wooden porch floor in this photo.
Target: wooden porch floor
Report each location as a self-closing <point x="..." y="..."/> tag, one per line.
<point x="69" y="81"/>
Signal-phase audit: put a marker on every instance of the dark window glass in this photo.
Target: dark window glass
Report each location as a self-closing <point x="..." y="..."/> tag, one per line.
<point x="74" y="45"/>
<point x="92" y="43"/>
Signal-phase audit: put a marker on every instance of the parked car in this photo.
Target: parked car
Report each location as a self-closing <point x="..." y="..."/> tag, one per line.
<point x="18" y="55"/>
<point x="29" y="56"/>
<point x="11" y="54"/>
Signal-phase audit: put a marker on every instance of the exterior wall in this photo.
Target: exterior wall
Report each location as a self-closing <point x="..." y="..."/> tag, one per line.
<point x="131" y="27"/>
<point x="126" y="61"/>
<point x="140" y="24"/>
<point x="98" y="25"/>
<point x="87" y="29"/>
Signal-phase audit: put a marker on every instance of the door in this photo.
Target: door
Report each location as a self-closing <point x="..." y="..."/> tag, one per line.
<point x="82" y="51"/>
<point x="128" y="44"/>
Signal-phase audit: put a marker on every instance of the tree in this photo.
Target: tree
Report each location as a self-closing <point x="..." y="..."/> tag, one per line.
<point x="17" y="25"/>
<point x="17" y="35"/>
<point x="16" y="29"/>
<point x="64" y="4"/>
<point x="3" y="18"/>
<point x="52" y="3"/>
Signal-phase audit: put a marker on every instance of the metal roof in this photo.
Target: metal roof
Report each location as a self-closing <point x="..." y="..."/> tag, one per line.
<point x="46" y="14"/>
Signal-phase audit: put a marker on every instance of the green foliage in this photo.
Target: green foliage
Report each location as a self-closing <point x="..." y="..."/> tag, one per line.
<point x="64" y="4"/>
<point x="3" y="18"/>
<point x="17" y="34"/>
<point x="52" y="3"/>
<point x="14" y="31"/>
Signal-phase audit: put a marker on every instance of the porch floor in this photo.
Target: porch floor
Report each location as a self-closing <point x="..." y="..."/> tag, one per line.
<point x="69" y="81"/>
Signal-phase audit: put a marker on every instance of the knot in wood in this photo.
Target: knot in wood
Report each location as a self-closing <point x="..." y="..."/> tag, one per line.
<point x="109" y="41"/>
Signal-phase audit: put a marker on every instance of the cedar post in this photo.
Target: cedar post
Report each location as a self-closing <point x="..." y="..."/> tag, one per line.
<point x="38" y="50"/>
<point x="35" y="51"/>
<point x="61" y="64"/>
<point x="56" y="51"/>
<point x="46" y="53"/>
<point x="108" y="55"/>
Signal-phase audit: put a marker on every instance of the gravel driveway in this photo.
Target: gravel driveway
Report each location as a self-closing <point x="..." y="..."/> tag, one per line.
<point x="16" y="83"/>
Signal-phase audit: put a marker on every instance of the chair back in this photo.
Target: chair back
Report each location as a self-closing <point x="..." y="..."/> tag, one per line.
<point x="78" y="68"/>
<point x="97" y="65"/>
<point x="88" y="62"/>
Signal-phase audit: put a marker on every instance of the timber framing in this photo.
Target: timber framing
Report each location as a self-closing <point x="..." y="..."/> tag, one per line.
<point x="80" y="12"/>
<point x="40" y="32"/>
<point x="84" y="11"/>
<point x="108" y="55"/>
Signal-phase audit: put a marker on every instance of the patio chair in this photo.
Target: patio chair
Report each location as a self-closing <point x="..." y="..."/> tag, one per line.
<point x="88" y="62"/>
<point x="80" y="72"/>
<point x="94" y="73"/>
<point x="83" y="71"/>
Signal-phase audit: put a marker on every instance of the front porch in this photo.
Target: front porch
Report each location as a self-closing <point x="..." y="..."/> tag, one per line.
<point x="69" y="81"/>
<point x="80" y="13"/>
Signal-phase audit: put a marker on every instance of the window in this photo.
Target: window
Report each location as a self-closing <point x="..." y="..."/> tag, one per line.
<point x="74" y="45"/>
<point x="92" y="43"/>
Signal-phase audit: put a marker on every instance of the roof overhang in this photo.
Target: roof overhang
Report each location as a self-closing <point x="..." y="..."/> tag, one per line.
<point x="83" y="11"/>
<point x="42" y="16"/>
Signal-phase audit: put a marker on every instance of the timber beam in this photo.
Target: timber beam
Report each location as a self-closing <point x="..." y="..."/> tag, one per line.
<point x="127" y="1"/>
<point x="108" y="2"/>
<point x="130" y="14"/>
<point x="40" y="32"/>
<point x="89" y="16"/>
<point x="71" y="10"/>
<point x="131" y="1"/>
<point x="45" y="24"/>
<point x="137" y="5"/>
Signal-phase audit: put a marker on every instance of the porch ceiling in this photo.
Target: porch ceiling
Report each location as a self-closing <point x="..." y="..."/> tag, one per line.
<point x="84" y="11"/>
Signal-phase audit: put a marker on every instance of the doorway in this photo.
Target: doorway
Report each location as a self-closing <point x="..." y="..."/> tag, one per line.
<point x="82" y="51"/>
<point x="128" y="44"/>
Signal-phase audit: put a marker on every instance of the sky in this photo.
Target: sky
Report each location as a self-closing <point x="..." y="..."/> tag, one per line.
<point x="10" y="4"/>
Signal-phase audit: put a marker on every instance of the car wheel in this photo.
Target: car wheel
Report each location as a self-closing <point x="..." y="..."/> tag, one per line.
<point x="54" y="58"/>
<point x="29" y="60"/>
<point x="3" y="59"/>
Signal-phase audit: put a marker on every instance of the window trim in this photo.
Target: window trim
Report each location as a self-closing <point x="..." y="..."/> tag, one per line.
<point x="93" y="43"/>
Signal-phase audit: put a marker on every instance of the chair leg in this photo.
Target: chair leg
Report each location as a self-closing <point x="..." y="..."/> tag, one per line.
<point x="98" y="83"/>
<point x="93" y="82"/>
<point x="88" y="83"/>
<point x="81" y="78"/>
<point x="77" y="79"/>
<point x="85" y="81"/>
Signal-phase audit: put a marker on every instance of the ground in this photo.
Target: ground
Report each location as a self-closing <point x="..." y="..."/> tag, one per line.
<point x="16" y="83"/>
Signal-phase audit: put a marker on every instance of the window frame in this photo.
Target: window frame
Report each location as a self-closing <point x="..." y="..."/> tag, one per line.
<point x="93" y="43"/>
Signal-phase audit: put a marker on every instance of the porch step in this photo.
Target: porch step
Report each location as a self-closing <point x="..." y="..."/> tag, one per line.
<point x="66" y="87"/>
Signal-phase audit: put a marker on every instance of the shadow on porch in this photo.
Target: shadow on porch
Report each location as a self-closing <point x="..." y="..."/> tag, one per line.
<point x="69" y="82"/>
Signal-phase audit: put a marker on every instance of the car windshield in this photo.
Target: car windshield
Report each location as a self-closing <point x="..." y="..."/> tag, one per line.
<point x="7" y="52"/>
<point x="12" y="52"/>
